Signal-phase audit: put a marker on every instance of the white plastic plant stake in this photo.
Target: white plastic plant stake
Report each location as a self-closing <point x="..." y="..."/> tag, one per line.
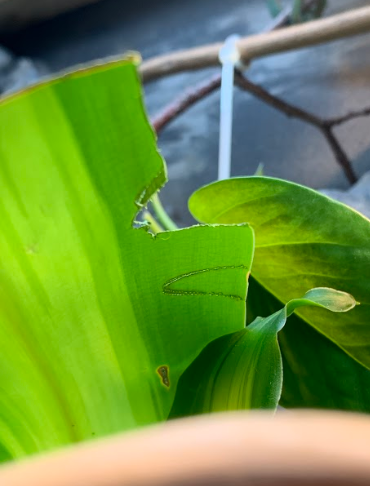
<point x="229" y="57"/>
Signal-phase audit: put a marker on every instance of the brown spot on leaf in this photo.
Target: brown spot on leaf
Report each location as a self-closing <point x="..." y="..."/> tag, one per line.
<point x="163" y="372"/>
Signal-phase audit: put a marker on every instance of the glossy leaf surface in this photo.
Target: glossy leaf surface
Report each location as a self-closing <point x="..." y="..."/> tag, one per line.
<point x="303" y="240"/>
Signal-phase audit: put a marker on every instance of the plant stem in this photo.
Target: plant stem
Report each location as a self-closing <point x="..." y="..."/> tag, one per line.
<point x="154" y="225"/>
<point x="161" y="214"/>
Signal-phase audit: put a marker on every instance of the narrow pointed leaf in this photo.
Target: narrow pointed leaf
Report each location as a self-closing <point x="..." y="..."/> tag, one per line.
<point x="98" y="319"/>
<point x="243" y="370"/>
<point x="303" y="240"/>
<point x="316" y="372"/>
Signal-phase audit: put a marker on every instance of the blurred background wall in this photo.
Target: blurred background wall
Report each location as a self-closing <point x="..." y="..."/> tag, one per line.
<point x="328" y="80"/>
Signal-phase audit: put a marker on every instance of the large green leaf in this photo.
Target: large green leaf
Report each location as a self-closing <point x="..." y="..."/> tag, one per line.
<point x="243" y="370"/>
<point x="316" y="372"/>
<point x="98" y="319"/>
<point x="303" y="240"/>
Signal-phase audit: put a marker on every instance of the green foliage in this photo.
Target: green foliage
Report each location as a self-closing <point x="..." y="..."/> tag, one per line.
<point x="313" y="11"/>
<point x="105" y="326"/>
<point x="297" y="12"/>
<point x="301" y="11"/>
<point x="98" y="319"/>
<point x="274" y="7"/>
<point x="243" y="370"/>
<point x="317" y="373"/>
<point x="303" y="240"/>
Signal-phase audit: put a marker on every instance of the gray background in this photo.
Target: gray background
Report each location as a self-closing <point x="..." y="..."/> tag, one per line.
<point x="328" y="80"/>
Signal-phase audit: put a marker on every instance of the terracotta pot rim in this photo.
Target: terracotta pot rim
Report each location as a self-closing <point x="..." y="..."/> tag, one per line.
<point x="300" y="447"/>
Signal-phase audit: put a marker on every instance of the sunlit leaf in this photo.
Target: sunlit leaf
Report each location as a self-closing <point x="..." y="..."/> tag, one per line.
<point x="98" y="319"/>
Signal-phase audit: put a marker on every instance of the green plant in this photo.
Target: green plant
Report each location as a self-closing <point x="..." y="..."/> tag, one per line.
<point x="104" y="325"/>
<point x="96" y="324"/>
<point x="302" y="10"/>
<point x="303" y="240"/>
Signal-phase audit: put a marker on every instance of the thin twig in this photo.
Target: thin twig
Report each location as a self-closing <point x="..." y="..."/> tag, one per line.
<point x="339" y="153"/>
<point x="338" y="26"/>
<point x="325" y="126"/>
<point x="349" y="116"/>
<point x="290" y="110"/>
<point x="185" y="101"/>
<point x="205" y="88"/>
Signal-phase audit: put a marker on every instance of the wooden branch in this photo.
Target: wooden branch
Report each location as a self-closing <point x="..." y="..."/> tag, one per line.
<point x="185" y="101"/>
<point x="346" y="24"/>
<point x="325" y="126"/>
